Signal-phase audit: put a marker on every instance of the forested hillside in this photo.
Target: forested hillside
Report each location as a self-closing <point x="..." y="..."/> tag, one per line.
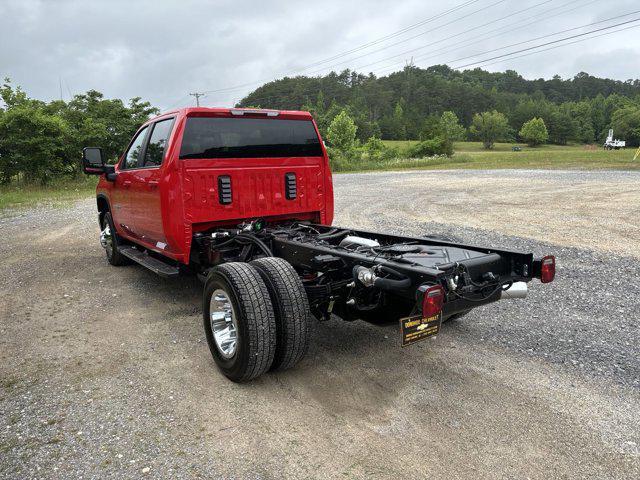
<point x="403" y="105"/>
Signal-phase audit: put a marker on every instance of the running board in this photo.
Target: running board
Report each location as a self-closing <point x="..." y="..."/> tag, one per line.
<point x="143" y="258"/>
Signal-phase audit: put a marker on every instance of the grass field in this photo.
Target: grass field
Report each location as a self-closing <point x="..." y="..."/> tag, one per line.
<point x="473" y="155"/>
<point x="468" y="155"/>
<point x="58" y="193"/>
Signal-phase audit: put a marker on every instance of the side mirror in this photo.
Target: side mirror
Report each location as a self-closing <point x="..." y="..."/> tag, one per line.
<point x="92" y="161"/>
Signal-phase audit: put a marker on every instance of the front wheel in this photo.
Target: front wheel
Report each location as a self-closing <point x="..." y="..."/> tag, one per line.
<point x="239" y="321"/>
<point x="110" y="241"/>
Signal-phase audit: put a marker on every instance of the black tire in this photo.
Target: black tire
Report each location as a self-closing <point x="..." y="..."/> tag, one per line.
<point x="294" y="326"/>
<point x="114" y="257"/>
<point x="256" y="325"/>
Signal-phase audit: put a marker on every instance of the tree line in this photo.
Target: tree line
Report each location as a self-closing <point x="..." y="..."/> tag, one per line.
<point x="406" y="105"/>
<point x="40" y="141"/>
<point x="438" y="106"/>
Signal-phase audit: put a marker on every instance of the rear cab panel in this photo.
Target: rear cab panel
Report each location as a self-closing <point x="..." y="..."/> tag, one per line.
<point x="222" y="174"/>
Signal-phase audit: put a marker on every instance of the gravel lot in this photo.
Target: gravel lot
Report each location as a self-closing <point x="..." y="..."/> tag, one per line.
<point x="105" y="371"/>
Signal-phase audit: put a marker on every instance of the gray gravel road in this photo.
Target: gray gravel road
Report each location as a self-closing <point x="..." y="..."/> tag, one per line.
<point x="105" y="372"/>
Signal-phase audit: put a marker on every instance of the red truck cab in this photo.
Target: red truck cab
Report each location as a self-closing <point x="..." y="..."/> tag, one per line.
<point x="193" y="169"/>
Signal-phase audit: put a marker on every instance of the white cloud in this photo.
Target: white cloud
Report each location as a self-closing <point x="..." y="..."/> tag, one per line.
<point x="161" y="51"/>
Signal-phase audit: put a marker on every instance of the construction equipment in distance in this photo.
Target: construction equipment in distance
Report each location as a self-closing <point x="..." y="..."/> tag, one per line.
<point x="613" y="143"/>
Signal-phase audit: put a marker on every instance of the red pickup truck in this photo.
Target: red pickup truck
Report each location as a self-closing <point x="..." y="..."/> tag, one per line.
<point x="243" y="198"/>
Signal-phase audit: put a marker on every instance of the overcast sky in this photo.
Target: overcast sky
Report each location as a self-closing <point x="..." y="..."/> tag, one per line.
<point x="162" y="50"/>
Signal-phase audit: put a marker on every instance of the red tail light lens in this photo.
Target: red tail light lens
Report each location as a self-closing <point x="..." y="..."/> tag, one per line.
<point x="547" y="269"/>
<point x="432" y="301"/>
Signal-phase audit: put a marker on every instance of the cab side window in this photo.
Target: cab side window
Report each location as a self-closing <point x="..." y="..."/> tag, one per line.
<point x="157" y="143"/>
<point x="135" y="150"/>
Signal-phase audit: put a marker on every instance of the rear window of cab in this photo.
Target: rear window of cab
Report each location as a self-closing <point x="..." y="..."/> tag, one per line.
<point x="215" y="137"/>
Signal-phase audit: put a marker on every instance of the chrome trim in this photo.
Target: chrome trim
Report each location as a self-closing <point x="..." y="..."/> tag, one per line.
<point x="224" y="327"/>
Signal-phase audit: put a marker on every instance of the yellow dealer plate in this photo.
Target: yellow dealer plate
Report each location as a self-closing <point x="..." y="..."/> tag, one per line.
<point x="413" y="329"/>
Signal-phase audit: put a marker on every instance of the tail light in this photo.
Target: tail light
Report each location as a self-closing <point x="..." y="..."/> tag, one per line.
<point x="547" y="269"/>
<point x="432" y="301"/>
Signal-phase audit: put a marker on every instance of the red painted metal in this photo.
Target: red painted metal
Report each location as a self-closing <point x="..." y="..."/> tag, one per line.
<point x="161" y="207"/>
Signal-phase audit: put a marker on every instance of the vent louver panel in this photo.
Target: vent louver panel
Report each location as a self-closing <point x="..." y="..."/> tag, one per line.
<point x="224" y="189"/>
<point x="290" y="187"/>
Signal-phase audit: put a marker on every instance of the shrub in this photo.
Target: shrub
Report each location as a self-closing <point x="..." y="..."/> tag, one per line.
<point x="431" y="147"/>
<point x="342" y="132"/>
<point x="489" y="127"/>
<point x="534" y="132"/>
<point x="341" y="160"/>
<point x="450" y="127"/>
<point x="374" y="148"/>
<point x="34" y="145"/>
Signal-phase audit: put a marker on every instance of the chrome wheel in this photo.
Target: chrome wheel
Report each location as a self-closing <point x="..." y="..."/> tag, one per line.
<point x="223" y="323"/>
<point x="106" y="239"/>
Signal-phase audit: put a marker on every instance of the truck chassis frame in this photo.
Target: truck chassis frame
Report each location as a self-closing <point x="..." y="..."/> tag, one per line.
<point x="351" y="278"/>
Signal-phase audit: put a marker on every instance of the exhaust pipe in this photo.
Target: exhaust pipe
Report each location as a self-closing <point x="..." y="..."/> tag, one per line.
<point x="516" y="290"/>
<point x="368" y="278"/>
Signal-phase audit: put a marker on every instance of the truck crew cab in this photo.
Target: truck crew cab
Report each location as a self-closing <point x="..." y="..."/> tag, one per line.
<point x="243" y="198"/>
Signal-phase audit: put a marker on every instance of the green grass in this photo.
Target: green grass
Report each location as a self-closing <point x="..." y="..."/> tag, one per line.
<point x="543" y="157"/>
<point x="400" y="164"/>
<point x="57" y="193"/>
<point x="471" y="147"/>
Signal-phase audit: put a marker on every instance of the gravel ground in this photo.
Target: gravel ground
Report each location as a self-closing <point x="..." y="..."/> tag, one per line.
<point x="105" y="372"/>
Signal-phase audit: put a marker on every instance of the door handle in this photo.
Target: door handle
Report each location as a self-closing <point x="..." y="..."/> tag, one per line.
<point x="153" y="183"/>
<point x="126" y="183"/>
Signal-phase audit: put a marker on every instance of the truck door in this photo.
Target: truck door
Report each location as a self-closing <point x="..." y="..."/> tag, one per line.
<point x="146" y="187"/>
<point x="123" y="208"/>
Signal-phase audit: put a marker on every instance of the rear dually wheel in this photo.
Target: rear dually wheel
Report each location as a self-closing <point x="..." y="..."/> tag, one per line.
<point x="239" y="321"/>
<point x="291" y="308"/>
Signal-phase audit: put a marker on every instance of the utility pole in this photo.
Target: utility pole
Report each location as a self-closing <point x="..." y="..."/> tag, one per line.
<point x="197" y="95"/>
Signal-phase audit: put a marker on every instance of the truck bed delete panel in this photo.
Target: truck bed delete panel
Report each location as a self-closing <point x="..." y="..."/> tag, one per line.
<point x="255" y="192"/>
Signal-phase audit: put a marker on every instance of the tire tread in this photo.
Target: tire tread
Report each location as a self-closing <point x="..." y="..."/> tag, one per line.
<point x="291" y="307"/>
<point x="254" y="301"/>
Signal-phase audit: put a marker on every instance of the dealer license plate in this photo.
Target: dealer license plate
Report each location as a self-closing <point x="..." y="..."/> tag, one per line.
<point x="415" y="328"/>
